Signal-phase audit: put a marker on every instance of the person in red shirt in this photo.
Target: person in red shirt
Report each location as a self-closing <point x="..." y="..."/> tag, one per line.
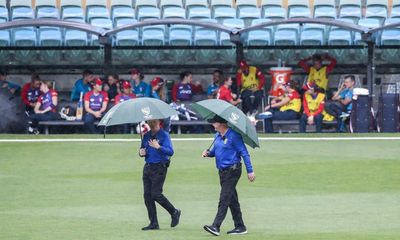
<point x="45" y="108"/>
<point x="313" y="104"/>
<point x="30" y="93"/>
<point x="95" y="105"/>
<point x="225" y="93"/>
<point x="250" y="82"/>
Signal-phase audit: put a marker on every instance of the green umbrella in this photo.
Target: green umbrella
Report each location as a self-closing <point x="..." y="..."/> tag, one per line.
<point x="137" y="110"/>
<point x="237" y="120"/>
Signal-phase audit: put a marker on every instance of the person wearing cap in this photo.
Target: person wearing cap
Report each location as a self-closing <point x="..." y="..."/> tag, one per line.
<point x="317" y="72"/>
<point x="157" y="150"/>
<point x="95" y="103"/>
<point x="125" y="95"/>
<point x="313" y="105"/>
<point x="82" y="85"/>
<point x="45" y="108"/>
<point x="285" y="107"/>
<point x="112" y="86"/>
<point x="30" y="93"/>
<point x="228" y="149"/>
<point x="225" y="93"/>
<point x="13" y="88"/>
<point x="212" y="89"/>
<point x="140" y="88"/>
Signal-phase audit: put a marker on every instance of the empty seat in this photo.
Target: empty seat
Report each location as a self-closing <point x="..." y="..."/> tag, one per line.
<point x="180" y="37"/>
<point x="261" y="36"/>
<point x="47" y="12"/>
<point x="339" y="36"/>
<point x="120" y="3"/>
<point x="92" y="3"/>
<point x="377" y="9"/>
<point x="72" y="12"/>
<point x="366" y="22"/>
<point x="220" y="3"/>
<point x="128" y="37"/>
<point x="24" y="37"/>
<point x="96" y="12"/>
<point x="173" y="12"/>
<point x="249" y="13"/>
<point x="198" y="13"/>
<point x="195" y="3"/>
<point x="233" y="24"/>
<point x="153" y="37"/>
<point x="75" y="38"/>
<point x="170" y="3"/>
<point x="148" y="13"/>
<point x="105" y="23"/>
<point x="312" y="37"/>
<point x="325" y="9"/>
<point x="391" y="36"/>
<point x="122" y="12"/>
<point x="5" y="38"/>
<point x="3" y="13"/>
<point x="205" y="37"/>
<point x="298" y="9"/>
<point x="350" y="9"/>
<point x="285" y="37"/>
<point x="50" y="36"/>
<point x="221" y="13"/>
<point x="245" y="3"/>
<point x="22" y="13"/>
<point x="274" y="13"/>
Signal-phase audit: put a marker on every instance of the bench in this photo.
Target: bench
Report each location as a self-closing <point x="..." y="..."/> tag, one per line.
<point x="179" y="124"/>
<point x="281" y="124"/>
<point x="48" y="124"/>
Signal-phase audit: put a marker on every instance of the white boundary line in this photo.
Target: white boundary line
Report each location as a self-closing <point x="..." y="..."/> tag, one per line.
<point x="198" y="139"/>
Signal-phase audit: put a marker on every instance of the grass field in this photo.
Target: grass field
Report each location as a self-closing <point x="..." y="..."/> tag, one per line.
<point x="304" y="190"/>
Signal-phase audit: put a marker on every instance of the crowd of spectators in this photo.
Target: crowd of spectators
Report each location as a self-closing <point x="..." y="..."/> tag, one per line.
<point x="307" y="102"/>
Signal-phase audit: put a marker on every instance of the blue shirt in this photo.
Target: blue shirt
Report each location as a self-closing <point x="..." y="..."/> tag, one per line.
<point x="142" y="89"/>
<point x="157" y="155"/>
<point x="79" y="87"/>
<point x="229" y="149"/>
<point x="212" y="89"/>
<point x="347" y="93"/>
<point x="11" y="85"/>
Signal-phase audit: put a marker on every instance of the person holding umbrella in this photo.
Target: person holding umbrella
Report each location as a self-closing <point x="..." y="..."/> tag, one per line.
<point x="228" y="148"/>
<point x="157" y="150"/>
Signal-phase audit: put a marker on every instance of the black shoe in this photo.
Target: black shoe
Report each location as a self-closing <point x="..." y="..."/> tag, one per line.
<point x="212" y="229"/>
<point x="238" y="230"/>
<point x="175" y="218"/>
<point x="151" y="227"/>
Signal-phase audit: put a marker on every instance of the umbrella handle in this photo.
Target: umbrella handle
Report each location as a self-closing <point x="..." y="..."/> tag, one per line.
<point x="208" y="149"/>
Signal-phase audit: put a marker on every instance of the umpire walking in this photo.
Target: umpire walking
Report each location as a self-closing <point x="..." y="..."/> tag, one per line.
<point x="157" y="150"/>
<point x="228" y="149"/>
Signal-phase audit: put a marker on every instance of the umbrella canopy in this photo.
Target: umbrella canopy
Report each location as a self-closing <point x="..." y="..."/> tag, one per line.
<point x="137" y="110"/>
<point x="237" y="120"/>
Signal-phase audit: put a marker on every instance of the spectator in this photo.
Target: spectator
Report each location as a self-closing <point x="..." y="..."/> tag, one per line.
<point x="82" y="85"/>
<point x="95" y="105"/>
<point x="185" y="89"/>
<point x="112" y="86"/>
<point x="124" y="96"/>
<point x="140" y="88"/>
<point x="250" y="81"/>
<point x="313" y="104"/>
<point x="341" y="105"/>
<point x="30" y="93"/>
<point x="225" y="93"/>
<point x="159" y="92"/>
<point x="317" y="72"/>
<point x="212" y="89"/>
<point x="285" y="107"/>
<point x="45" y="108"/>
<point x="12" y="87"/>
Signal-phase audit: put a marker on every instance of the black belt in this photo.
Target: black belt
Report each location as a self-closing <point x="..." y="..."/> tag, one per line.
<point x="230" y="168"/>
<point x="159" y="164"/>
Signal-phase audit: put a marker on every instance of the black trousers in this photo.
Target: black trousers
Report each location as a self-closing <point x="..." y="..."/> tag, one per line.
<point x="228" y="197"/>
<point x="248" y="105"/>
<point x="153" y="181"/>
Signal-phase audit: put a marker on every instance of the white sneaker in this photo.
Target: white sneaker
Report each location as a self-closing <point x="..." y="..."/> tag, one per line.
<point x="344" y="115"/>
<point x="265" y="115"/>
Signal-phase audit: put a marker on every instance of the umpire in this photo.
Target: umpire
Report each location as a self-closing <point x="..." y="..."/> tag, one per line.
<point x="157" y="150"/>
<point x="228" y="149"/>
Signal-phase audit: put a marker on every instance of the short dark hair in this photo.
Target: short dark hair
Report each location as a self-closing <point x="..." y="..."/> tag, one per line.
<point x="35" y="77"/>
<point x="185" y="74"/>
<point x="87" y="72"/>
<point x="3" y="73"/>
<point x="352" y="77"/>
<point x="317" y="57"/>
<point x="218" y="71"/>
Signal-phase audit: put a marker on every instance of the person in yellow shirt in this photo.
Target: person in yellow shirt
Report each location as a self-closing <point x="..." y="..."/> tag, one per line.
<point x="285" y="107"/>
<point x="250" y="82"/>
<point x="313" y="105"/>
<point x="318" y="73"/>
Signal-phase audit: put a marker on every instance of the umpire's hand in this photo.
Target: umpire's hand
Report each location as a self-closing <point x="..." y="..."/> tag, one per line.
<point x="205" y="153"/>
<point x="251" y="176"/>
<point x="142" y="152"/>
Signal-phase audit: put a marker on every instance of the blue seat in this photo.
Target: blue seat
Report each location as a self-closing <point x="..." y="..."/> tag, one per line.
<point x="148" y="13"/>
<point x="339" y="36"/>
<point x="263" y="20"/>
<point x="199" y="13"/>
<point x="24" y="37"/>
<point x="205" y="37"/>
<point x="75" y="38"/>
<point x="312" y="37"/>
<point x="22" y="13"/>
<point x="285" y="37"/>
<point x="145" y="3"/>
<point x="292" y="26"/>
<point x="122" y="12"/>
<point x="391" y="36"/>
<point x="196" y="3"/>
<point x="96" y="12"/>
<point x="5" y="38"/>
<point x="377" y="9"/>
<point x="3" y="13"/>
<point x="170" y="3"/>
<point x="47" y="12"/>
<point x="173" y="12"/>
<point x="261" y="37"/>
<point x="298" y="9"/>
<point x="105" y="23"/>
<point x="72" y="12"/>
<point x="248" y="14"/>
<point x="50" y="36"/>
<point x="366" y="22"/>
<point x="153" y="37"/>
<point x="180" y="37"/>
<point x="221" y="13"/>
<point x="350" y="9"/>
<point x="274" y="13"/>
<point x="325" y="9"/>
<point x="128" y="37"/>
<point x="233" y="24"/>
<point x="121" y="3"/>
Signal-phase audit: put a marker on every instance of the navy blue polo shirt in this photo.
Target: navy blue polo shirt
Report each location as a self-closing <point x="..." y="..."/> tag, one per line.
<point x="157" y="155"/>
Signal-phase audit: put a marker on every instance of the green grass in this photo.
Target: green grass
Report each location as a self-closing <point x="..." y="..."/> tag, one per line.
<point x="327" y="190"/>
